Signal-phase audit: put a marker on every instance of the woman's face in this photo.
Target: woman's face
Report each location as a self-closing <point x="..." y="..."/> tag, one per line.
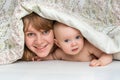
<point x="40" y="42"/>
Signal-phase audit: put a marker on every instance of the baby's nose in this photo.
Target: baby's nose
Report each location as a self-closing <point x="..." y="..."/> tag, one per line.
<point x="74" y="43"/>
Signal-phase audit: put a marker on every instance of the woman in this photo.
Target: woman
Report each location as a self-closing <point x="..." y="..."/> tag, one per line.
<point x="39" y="38"/>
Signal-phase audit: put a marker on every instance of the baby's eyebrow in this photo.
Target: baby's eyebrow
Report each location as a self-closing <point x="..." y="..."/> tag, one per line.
<point x="80" y="34"/>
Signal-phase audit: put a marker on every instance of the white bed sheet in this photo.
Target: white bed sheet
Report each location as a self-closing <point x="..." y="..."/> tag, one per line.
<point x="59" y="70"/>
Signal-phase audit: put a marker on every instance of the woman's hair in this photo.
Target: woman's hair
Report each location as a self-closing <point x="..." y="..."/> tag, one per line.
<point x="38" y="23"/>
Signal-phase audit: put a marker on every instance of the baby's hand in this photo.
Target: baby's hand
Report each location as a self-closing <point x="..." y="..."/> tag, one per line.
<point x="36" y="58"/>
<point x="95" y="63"/>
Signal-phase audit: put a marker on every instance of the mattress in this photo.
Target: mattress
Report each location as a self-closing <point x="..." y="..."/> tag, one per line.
<point x="58" y="70"/>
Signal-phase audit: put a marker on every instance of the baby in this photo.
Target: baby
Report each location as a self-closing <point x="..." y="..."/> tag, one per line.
<point x="74" y="47"/>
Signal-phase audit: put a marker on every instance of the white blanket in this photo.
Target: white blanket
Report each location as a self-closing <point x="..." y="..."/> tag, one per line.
<point x="98" y="21"/>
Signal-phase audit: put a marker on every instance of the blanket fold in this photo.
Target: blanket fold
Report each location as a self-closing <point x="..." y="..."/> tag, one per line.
<point x="98" y="21"/>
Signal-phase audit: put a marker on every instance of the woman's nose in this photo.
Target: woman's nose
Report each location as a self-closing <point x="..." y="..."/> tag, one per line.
<point x="39" y="39"/>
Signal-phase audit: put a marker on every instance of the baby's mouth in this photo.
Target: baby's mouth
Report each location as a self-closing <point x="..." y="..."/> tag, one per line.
<point x="75" y="49"/>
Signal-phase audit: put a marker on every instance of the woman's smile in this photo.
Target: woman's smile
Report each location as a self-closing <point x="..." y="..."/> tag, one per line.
<point x="41" y="48"/>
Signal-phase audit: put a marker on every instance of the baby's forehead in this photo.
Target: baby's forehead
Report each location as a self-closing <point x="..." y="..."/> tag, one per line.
<point x="58" y="25"/>
<point x="62" y="26"/>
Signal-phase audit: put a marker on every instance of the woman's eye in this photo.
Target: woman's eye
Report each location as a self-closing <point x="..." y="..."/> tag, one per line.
<point x="46" y="32"/>
<point x="66" y="40"/>
<point x="77" y="37"/>
<point x="30" y="34"/>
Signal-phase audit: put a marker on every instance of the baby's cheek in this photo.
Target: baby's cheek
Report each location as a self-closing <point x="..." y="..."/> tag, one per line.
<point x="66" y="49"/>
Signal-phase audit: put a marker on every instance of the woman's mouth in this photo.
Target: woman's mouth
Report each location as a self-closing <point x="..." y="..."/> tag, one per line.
<point x="41" y="48"/>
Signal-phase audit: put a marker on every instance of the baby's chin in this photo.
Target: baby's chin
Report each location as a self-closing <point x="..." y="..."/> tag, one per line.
<point x="72" y="53"/>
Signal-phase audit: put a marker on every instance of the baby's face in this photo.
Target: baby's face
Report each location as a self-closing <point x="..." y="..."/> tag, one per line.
<point x="70" y="40"/>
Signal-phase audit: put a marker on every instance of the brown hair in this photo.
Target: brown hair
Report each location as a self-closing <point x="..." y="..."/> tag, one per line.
<point x="38" y="23"/>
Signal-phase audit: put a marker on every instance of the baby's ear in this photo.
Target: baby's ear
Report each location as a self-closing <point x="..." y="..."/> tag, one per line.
<point x="56" y="42"/>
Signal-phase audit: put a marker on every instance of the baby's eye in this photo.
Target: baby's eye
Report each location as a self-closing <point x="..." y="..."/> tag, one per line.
<point x="67" y="40"/>
<point x="46" y="32"/>
<point x="77" y="37"/>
